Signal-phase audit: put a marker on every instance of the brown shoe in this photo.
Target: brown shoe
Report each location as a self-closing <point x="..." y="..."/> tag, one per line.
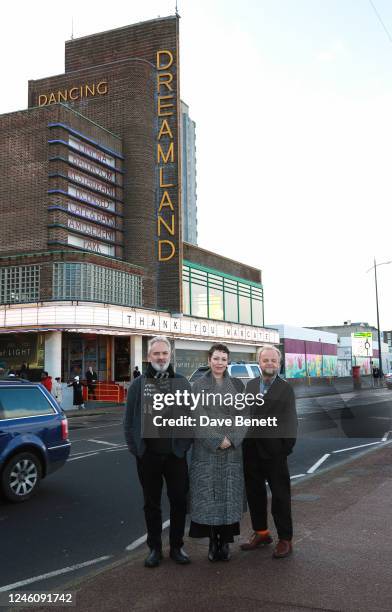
<point x="284" y="548"/>
<point x="256" y="541"/>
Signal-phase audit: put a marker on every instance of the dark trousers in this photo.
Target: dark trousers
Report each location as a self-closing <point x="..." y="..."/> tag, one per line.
<point x="152" y="469"/>
<point x="276" y="472"/>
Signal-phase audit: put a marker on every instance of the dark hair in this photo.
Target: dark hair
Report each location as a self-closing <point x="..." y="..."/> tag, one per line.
<point x="218" y="347"/>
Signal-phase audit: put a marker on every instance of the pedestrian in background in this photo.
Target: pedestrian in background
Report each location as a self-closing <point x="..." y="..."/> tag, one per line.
<point x="24" y="371"/>
<point x="46" y="380"/>
<point x="91" y="379"/>
<point x="57" y="390"/>
<point x="77" y="392"/>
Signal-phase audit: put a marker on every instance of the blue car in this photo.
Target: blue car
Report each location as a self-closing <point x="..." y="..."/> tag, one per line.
<point x="33" y="437"/>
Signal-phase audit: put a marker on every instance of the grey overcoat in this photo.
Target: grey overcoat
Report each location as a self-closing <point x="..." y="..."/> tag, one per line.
<point x="216" y="476"/>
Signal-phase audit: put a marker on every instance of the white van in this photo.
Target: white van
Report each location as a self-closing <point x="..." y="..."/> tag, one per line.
<point x="239" y="369"/>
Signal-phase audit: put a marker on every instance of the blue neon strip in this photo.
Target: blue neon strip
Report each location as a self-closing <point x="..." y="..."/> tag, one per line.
<point x="87" y="139"/>
<point x="68" y="195"/>
<point x="86" y="219"/>
<point x="82" y="186"/>
<point x="97" y="161"/>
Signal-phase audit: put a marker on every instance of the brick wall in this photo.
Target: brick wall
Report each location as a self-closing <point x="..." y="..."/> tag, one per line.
<point x="212" y="260"/>
<point x="125" y="58"/>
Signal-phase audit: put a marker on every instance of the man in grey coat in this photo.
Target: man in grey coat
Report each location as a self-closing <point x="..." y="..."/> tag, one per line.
<point x="159" y="458"/>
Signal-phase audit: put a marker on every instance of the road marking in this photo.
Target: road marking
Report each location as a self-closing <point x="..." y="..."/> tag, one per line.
<point x="64" y="570"/>
<point x="318" y="463"/>
<point x="83" y="456"/>
<point x="143" y="539"/>
<point x="103" y="442"/>
<point x="296" y="476"/>
<point x="342" y="450"/>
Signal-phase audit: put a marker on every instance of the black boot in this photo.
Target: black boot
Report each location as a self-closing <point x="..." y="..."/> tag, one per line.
<point x="179" y="556"/>
<point x="154" y="558"/>
<point x="224" y="551"/>
<point x="213" y="549"/>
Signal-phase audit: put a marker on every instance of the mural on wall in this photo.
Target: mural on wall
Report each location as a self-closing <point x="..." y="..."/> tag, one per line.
<point x="295" y="366"/>
<point x="314" y="365"/>
<point x="299" y="366"/>
<point x="330" y="365"/>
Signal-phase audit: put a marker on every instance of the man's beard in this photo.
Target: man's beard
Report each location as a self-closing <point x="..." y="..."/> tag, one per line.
<point x="269" y="372"/>
<point x="160" y="367"/>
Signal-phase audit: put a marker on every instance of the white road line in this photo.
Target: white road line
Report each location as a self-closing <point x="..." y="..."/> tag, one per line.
<point x="296" y="476"/>
<point x="143" y="539"/>
<point x="342" y="450"/>
<point x="83" y="456"/>
<point x="64" y="570"/>
<point x="318" y="463"/>
<point x="103" y="442"/>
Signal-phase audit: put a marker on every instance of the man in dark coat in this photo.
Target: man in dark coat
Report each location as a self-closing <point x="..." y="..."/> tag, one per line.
<point x="91" y="380"/>
<point x="265" y="455"/>
<point x="77" y="393"/>
<point x="159" y="458"/>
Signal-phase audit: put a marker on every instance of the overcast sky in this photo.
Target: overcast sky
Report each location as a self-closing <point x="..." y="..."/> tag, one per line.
<point x="293" y="105"/>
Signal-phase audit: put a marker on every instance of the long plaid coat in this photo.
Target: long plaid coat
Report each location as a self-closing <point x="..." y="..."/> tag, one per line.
<point x="216" y="476"/>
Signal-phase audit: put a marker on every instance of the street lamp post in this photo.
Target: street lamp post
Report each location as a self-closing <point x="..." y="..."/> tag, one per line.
<point x="378" y="316"/>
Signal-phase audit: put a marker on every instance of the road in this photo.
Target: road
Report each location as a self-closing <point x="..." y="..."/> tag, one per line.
<point x="92" y="508"/>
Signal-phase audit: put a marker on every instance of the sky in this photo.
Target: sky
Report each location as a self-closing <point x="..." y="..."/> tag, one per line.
<point x="292" y="101"/>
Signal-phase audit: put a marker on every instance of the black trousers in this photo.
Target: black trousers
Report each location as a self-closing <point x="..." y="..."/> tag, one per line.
<point x="276" y="472"/>
<point x="152" y="468"/>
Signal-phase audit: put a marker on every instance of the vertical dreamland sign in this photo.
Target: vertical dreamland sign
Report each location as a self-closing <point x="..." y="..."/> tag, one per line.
<point x="168" y="188"/>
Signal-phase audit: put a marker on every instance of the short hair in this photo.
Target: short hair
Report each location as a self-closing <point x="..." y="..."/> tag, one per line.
<point x="218" y="347"/>
<point x="268" y="347"/>
<point x="158" y="339"/>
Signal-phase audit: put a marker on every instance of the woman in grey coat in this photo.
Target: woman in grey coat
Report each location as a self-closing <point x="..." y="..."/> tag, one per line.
<point x="216" y="473"/>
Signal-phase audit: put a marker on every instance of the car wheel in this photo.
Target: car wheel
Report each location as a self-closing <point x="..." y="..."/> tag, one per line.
<point x="21" y="477"/>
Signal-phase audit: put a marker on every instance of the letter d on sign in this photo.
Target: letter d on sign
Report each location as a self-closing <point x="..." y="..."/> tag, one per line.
<point x="161" y="62"/>
<point x="173" y="250"/>
<point x="42" y="100"/>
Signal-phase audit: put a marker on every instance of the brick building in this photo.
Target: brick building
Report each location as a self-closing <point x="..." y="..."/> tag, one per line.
<point x="92" y="260"/>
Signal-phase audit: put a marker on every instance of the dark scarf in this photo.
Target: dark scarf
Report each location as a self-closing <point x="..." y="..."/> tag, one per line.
<point x="158" y="382"/>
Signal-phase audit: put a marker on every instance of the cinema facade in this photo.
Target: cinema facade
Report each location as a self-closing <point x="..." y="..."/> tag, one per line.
<point x="92" y="261"/>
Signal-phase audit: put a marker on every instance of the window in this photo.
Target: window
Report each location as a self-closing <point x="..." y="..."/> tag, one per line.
<point x="231" y="307"/>
<point x="220" y="297"/>
<point x="199" y="301"/>
<point x="255" y="369"/>
<point x="240" y="371"/>
<point x="185" y="297"/>
<point x="19" y="284"/>
<point x="215" y="303"/>
<point x="257" y="312"/>
<point x="245" y="315"/>
<point x="80" y="281"/>
<point x="20" y="402"/>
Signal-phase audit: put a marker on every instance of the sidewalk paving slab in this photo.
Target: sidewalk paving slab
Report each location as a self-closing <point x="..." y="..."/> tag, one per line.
<point x="341" y="561"/>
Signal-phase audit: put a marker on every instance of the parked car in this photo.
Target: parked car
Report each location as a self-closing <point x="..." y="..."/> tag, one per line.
<point x="238" y="369"/>
<point x="33" y="437"/>
<point x="388" y="380"/>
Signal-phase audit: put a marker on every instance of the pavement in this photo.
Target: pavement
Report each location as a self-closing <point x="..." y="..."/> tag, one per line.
<point x="341" y="559"/>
